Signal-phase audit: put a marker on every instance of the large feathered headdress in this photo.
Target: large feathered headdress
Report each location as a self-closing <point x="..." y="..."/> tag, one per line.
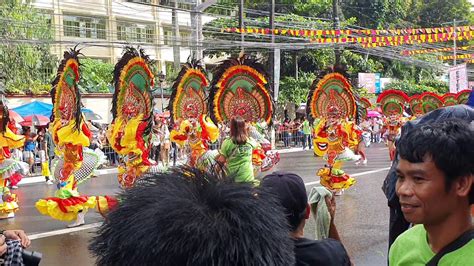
<point x="240" y="88"/>
<point x="463" y="96"/>
<point x="416" y="105"/>
<point x="329" y="92"/>
<point x="449" y="99"/>
<point x="430" y="101"/>
<point x="188" y="99"/>
<point x="65" y="93"/>
<point x="392" y="102"/>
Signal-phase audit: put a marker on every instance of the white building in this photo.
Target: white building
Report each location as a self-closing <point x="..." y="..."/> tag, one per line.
<point x="103" y="27"/>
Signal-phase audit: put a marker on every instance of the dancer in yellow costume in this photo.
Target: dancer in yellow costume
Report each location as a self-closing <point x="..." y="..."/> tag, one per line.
<point x="331" y="101"/>
<point x="10" y="169"/>
<point x="70" y="134"/>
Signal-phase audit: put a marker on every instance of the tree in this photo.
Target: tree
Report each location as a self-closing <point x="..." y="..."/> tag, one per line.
<point x="24" y="48"/>
<point x="96" y="76"/>
<point x="294" y="90"/>
<point x="412" y="88"/>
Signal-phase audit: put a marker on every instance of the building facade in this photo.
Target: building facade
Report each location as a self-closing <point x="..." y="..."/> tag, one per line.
<point x="103" y="27"/>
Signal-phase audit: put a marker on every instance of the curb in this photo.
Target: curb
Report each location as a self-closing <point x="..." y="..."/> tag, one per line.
<point x="41" y="179"/>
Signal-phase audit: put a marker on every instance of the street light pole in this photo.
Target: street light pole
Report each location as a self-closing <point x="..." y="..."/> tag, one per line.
<point x="161" y="78"/>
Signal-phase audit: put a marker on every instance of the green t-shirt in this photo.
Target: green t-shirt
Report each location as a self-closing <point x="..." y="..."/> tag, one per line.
<point x="306" y="127"/>
<point x="239" y="159"/>
<point x="412" y="248"/>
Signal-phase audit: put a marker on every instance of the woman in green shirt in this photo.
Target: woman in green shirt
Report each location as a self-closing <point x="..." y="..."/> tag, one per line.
<point x="236" y="152"/>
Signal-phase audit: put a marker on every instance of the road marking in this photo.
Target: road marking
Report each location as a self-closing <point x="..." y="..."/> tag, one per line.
<point x="64" y="231"/>
<point x="353" y="175"/>
<point x="95" y="225"/>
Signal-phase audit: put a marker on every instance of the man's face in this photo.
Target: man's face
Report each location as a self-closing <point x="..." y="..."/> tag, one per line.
<point x="422" y="192"/>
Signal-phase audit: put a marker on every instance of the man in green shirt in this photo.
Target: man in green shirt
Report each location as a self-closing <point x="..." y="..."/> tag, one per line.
<point x="435" y="189"/>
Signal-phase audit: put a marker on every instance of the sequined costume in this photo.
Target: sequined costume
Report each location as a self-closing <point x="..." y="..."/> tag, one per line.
<point x="129" y="134"/>
<point x="392" y="103"/>
<point x="11" y="170"/>
<point x="240" y="88"/>
<point x="331" y="101"/>
<point x="70" y="134"/>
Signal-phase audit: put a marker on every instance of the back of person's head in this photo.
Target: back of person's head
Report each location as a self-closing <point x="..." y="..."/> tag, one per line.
<point x="188" y="217"/>
<point x="238" y="130"/>
<point x="290" y="190"/>
<point x="449" y="144"/>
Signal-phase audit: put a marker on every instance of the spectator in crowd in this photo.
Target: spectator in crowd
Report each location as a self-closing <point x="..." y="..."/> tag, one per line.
<point x="307" y="134"/>
<point x="165" y="144"/>
<point x="12" y="235"/>
<point x="290" y="190"/>
<point x="397" y="223"/>
<point x="48" y="138"/>
<point x="29" y="148"/>
<point x="188" y="217"/>
<point x="296" y="131"/>
<point x="156" y="140"/>
<point x="41" y="151"/>
<point x="435" y="188"/>
<point x="286" y="132"/>
<point x="236" y="152"/>
<point x="376" y="127"/>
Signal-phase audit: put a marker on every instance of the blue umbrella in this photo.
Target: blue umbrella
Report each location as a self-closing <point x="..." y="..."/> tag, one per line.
<point x="40" y="108"/>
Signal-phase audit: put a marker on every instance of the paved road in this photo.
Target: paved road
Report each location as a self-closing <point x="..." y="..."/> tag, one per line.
<point x="361" y="218"/>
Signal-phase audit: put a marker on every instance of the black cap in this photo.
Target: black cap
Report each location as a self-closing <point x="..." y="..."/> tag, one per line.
<point x="290" y="189"/>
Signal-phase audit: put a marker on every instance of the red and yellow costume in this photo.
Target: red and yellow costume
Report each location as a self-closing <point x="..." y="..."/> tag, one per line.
<point x="240" y="88"/>
<point x="392" y="103"/>
<point x="70" y="135"/>
<point x="129" y="134"/>
<point x="10" y="169"/>
<point x="331" y="101"/>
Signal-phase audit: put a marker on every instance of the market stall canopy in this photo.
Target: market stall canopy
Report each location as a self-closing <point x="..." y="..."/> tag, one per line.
<point x="15" y="116"/>
<point x="35" y="120"/>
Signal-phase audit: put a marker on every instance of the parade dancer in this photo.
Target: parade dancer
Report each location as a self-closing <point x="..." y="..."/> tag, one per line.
<point x="129" y="134"/>
<point x="331" y="101"/>
<point x="70" y="134"/>
<point x="188" y="106"/>
<point x="240" y="89"/>
<point x="11" y="170"/>
<point x="392" y="103"/>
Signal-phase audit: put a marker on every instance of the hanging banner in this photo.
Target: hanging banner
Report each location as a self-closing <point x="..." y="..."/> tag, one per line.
<point x="438" y="50"/>
<point x="367" y="32"/>
<point x="459" y="56"/>
<point x="458" y="78"/>
<point x="368" y="81"/>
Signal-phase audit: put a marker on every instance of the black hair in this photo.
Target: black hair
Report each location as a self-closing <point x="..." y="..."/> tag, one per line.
<point x="449" y="144"/>
<point x="190" y="217"/>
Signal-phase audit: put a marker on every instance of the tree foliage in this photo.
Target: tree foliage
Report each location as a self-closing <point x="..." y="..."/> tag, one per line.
<point x="412" y="88"/>
<point x="294" y="90"/>
<point x="96" y="76"/>
<point x="25" y="58"/>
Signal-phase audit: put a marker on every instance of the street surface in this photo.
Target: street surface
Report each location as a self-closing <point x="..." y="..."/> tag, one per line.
<point x="361" y="217"/>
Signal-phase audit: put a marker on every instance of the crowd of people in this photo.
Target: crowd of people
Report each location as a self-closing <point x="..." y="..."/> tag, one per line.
<point x="232" y="215"/>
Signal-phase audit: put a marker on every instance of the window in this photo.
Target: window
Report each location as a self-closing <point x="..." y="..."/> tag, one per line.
<point x="185" y="38"/>
<point x="140" y="1"/>
<point x="84" y="27"/>
<point x="168" y="37"/>
<point x="133" y="32"/>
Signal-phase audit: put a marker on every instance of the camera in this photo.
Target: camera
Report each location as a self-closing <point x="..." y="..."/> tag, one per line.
<point x="31" y="258"/>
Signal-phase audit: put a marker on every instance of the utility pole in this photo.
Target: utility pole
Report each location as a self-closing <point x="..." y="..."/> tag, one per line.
<point x="337" y="26"/>
<point x="241" y="25"/>
<point x="176" y="37"/>
<point x="454" y="43"/>
<point x="274" y="60"/>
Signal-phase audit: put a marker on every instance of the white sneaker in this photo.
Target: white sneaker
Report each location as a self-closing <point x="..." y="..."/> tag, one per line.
<point x="49" y="182"/>
<point x="364" y="162"/>
<point x="357" y="163"/>
<point x="14" y="187"/>
<point x="79" y="221"/>
<point x="339" y="192"/>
